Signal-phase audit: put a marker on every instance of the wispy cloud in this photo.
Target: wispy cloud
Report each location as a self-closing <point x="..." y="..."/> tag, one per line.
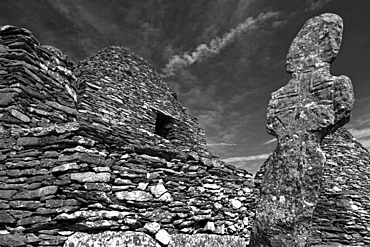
<point x="366" y="143"/>
<point x="221" y="144"/>
<point x="270" y="141"/>
<point x="249" y="163"/>
<point x="316" y="4"/>
<point x="246" y="158"/>
<point x="204" y="51"/>
<point x="362" y="135"/>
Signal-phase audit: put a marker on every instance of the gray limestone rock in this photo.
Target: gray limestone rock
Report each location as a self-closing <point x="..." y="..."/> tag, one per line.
<point x="206" y="240"/>
<point x="111" y="238"/>
<point x="300" y="114"/>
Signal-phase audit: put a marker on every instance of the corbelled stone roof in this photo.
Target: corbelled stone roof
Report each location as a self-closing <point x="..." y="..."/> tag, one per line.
<point x="121" y="89"/>
<point x="106" y="148"/>
<point x="103" y="153"/>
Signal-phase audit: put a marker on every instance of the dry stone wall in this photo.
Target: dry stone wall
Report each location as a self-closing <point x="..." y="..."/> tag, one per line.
<point x="103" y="153"/>
<point x="106" y="148"/>
<point x="122" y="97"/>
<point x="341" y="216"/>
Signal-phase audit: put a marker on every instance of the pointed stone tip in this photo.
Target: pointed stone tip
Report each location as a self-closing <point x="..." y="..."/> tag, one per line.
<point x="317" y="43"/>
<point x="331" y="17"/>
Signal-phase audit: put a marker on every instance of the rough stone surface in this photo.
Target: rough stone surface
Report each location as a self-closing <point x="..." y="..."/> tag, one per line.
<point x="76" y="143"/>
<point x="312" y="104"/>
<point x="206" y="240"/>
<point x="342" y="214"/>
<point x="152" y="227"/>
<point x="110" y="238"/>
<point x="163" y="237"/>
<point x="12" y="240"/>
<point x="104" y="146"/>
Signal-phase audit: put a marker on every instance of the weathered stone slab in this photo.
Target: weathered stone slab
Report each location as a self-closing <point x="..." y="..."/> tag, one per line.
<point x="206" y="240"/>
<point x="300" y="114"/>
<point x="137" y="195"/>
<point x="12" y="240"/>
<point x="7" y="194"/>
<point x="110" y="238"/>
<point x="91" y="177"/>
<point x="33" y="194"/>
<point x="6" y="218"/>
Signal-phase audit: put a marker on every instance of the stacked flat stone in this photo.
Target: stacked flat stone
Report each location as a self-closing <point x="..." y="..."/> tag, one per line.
<point x="300" y="114"/>
<point x="106" y="149"/>
<point x="119" y="89"/>
<point x="342" y="214"/>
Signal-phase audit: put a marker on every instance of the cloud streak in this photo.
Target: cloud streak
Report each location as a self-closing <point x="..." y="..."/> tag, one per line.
<point x="362" y="135"/>
<point x="204" y="51"/>
<point x="221" y="144"/>
<point x="359" y="134"/>
<point x="316" y="4"/>
<point x="246" y="158"/>
<point x="270" y="141"/>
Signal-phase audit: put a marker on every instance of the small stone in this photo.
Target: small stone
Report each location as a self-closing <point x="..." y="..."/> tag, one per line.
<point x="101" y="169"/>
<point x="28" y="141"/>
<point x="33" y="220"/>
<point x="142" y="186"/>
<point x="66" y="233"/>
<point x="7" y="98"/>
<point x="163" y="237"/>
<point x="232" y="228"/>
<point x="91" y="177"/>
<point x="12" y="240"/>
<point x="65" y="167"/>
<point x="247" y="190"/>
<point x="31" y="238"/>
<point x="210" y="227"/>
<point x="245" y="221"/>
<point x="33" y="194"/>
<point x="235" y="203"/>
<point x="211" y="186"/>
<point x="20" y="115"/>
<point x="220" y="229"/>
<point x="158" y="190"/>
<point x="121" y="181"/>
<point x="152" y="227"/>
<point x="6" y="218"/>
<point x="7" y="194"/>
<point x="166" y="197"/>
<point x="131" y="222"/>
<point x="97" y="186"/>
<point x="137" y="195"/>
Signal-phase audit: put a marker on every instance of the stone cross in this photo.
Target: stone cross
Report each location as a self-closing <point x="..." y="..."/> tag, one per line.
<point x="312" y="104"/>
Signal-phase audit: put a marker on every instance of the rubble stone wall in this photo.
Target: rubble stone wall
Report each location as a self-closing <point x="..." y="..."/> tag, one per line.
<point x="84" y="151"/>
<point x="341" y="216"/>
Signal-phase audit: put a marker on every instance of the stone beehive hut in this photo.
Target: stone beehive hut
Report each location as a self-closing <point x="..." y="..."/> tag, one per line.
<point x="118" y="88"/>
<point x="104" y="153"/>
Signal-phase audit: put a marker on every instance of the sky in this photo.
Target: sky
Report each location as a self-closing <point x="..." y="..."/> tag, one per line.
<point x="223" y="58"/>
